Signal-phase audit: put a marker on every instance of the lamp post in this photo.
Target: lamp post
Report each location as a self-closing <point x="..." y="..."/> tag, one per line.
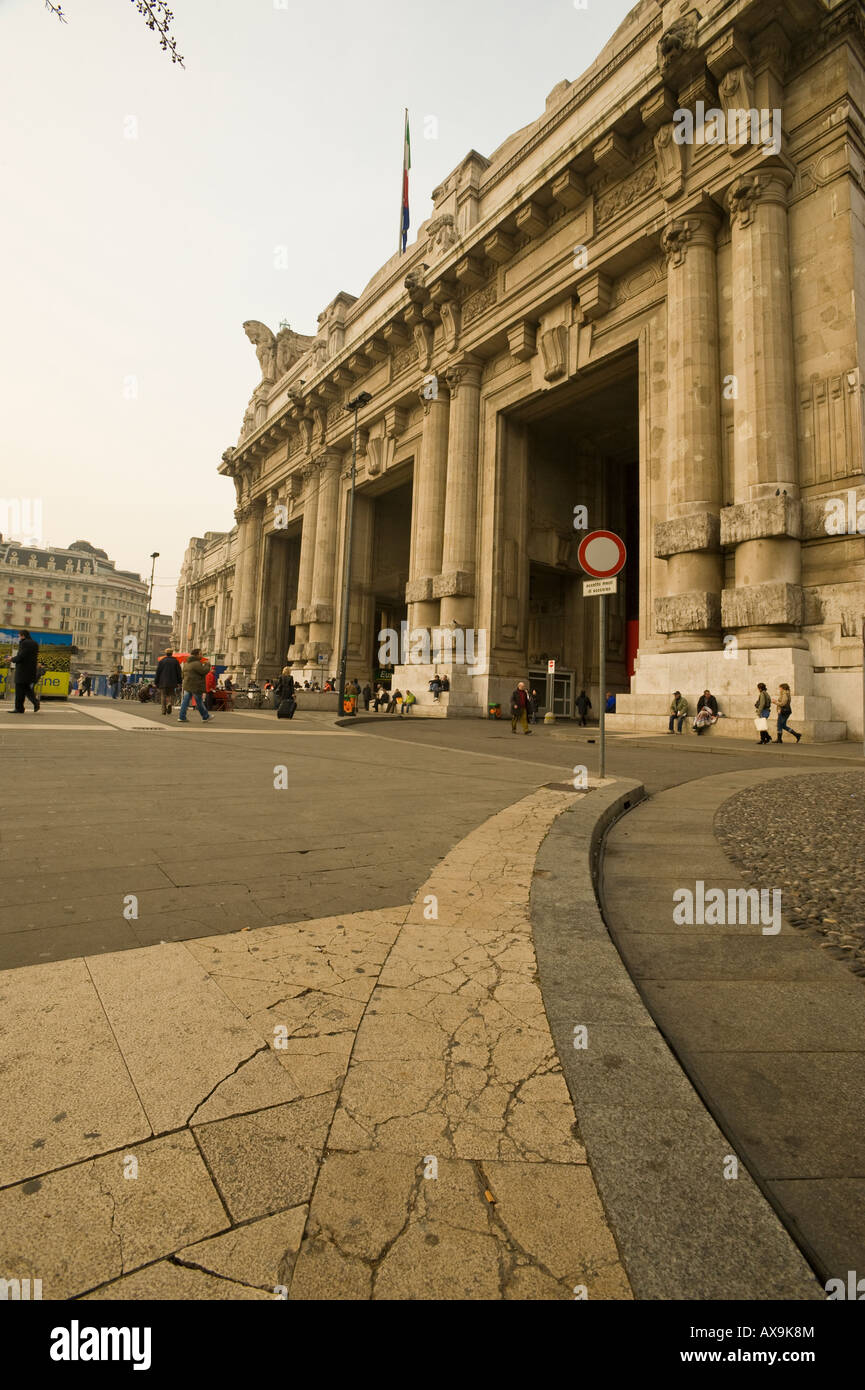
<point x="153" y="558"/>
<point x="354" y="407"/>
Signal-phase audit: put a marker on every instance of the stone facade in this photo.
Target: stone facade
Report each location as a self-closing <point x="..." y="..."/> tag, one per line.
<point x="203" y="608"/>
<point x="601" y="315"/>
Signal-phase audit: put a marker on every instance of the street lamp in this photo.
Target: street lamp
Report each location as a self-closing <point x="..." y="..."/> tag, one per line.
<point x="153" y="558"/>
<point x="354" y="407"/>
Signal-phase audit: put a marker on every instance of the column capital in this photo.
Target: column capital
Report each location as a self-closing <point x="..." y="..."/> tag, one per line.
<point x="745" y="193"/>
<point x="698" y="228"/>
<point x="463" y="374"/>
<point x="433" y="390"/>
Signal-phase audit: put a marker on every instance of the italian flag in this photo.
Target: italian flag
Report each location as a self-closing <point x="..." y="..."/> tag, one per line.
<point x="405" y="220"/>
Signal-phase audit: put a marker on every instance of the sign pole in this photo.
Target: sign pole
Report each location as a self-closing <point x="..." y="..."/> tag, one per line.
<point x="602" y="664"/>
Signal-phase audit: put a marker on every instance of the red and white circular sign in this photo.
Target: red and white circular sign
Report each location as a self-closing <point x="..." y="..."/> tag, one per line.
<point x="602" y="554"/>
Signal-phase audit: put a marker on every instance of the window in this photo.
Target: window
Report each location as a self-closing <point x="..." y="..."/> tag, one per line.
<point x="29" y="593"/>
<point x="48" y="593"/>
<point x="11" y="589"/>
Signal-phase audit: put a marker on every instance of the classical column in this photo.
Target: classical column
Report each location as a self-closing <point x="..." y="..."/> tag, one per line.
<point x="324" y="563"/>
<point x="764" y="523"/>
<point x="689" y="540"/>
<point x="455" y="586"/>
<point x="250" y="519"/>
<point x="429" y="510"/>
<point x="300" y="615"/>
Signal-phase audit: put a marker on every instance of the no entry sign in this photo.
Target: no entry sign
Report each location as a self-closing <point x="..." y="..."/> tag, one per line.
<point x="602" y="554"/>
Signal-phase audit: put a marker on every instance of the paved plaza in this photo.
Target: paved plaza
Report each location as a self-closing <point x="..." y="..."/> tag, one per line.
<point x="315" y="1040"/>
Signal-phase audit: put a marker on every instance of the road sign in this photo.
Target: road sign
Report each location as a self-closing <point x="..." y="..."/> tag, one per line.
<point x="551" y="667"/>
<point x="593" y="587"/>
<point x="602" y="554"/>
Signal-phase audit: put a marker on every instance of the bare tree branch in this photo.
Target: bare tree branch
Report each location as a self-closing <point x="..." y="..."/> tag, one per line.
<point x="157" y="17"/>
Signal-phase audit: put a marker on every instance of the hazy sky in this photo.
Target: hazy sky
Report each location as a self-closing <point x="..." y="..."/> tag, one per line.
<point x="142" y="205"/>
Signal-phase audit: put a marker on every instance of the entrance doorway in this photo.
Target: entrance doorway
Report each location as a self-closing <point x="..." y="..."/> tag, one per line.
<point x="583" y="475"/>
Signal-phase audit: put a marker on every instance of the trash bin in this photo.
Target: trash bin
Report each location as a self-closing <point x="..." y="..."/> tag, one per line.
<point x="495" y="711"/>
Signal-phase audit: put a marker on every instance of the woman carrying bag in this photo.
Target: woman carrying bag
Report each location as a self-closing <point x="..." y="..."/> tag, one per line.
<point x="762" y="705"/>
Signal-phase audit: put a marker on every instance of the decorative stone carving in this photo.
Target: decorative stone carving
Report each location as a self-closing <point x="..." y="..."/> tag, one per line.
<point x="403" y="359"/>
<point x="675" y="238"/>
<point x="677" y="41"/>
<point x="692" y="612"/>
<point x="746" y="192"/>
<point x="770" y="516"/>
<point x="423" y="338"/>
<point x="832" y="428"/>
<point x="458" y="584"/>
<point x="265" y="347"/>
<point x="419" y="590"/>
<point x="443" y="234"/>
<point x="762" y="605"/>
<point x="290" y="347"/>
<point x="554" y="346"/>
<point x="624" y="194"/>
<point x="375" y="456"/>
<point x="478" y="303"/>
<point x="702" y="531"/>
<point x="451" y="318"/>
<point x="670" y="163"/>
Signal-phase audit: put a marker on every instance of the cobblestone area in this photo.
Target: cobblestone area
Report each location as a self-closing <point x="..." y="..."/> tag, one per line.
<point x="804" y="836"/>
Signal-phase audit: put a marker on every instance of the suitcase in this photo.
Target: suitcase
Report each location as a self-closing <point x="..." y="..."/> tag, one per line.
<point x="286" y="709"/>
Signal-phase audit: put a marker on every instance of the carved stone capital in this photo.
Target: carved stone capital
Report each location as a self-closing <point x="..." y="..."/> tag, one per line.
<point x="697" y="611"/>
<point x="462" y="374"/>
<point x="763" y="605"/>
<point x="458" y="584"/>
<point x="419" y="590"/>
<point x="746" y="193"/>
<point x="769" y="516"/>
<point x="702" y="531"/>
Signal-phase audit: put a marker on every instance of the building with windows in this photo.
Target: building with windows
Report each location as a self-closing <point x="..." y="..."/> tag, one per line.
<point x="203" y="608"/>
<point x="160" y="628"/>
<point x="637" y="315"/>
<point x="75" y="590"/>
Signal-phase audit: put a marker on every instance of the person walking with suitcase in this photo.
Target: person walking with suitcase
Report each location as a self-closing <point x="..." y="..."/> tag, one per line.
<point x="286" y="704"/>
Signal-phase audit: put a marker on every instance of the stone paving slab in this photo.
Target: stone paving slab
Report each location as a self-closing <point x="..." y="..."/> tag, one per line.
<point x="770" y="1030"/>
<point x="248" y="1052"/>
<point x="65" y="1092"/>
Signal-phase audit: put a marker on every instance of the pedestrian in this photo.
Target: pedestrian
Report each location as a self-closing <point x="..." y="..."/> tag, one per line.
<point x="114" y="683"/>
<point x="407" y="703"/>
<point x="678" y="712"/>
<point x="763" y="708"/>
<point x="124" y="679"/>
<point x="584" y="704"/>
<point x="169" y="675"/>
<point x="367" y="696"/>
<point x="194" y="680"/>
<point x="536" y="704"/>
<point x="610" y="705"/>
<point x="707" y="712"/>
<point x="784" y="703"/>
<point x="26" y="663"/>
<point x="210" y="683"/>
<point x="520" y="707"/>
<point x="395" y="698"/>
<point x="435" y="686"/>
<point x="286" y="701"/>
<point x="446" y="684"/>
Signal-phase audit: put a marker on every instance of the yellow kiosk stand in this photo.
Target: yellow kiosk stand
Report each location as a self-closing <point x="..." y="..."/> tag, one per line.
<point x="55" y="654"/>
